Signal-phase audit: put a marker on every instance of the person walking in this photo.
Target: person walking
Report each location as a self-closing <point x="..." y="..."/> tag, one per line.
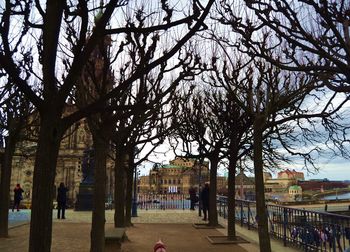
<point x="205" y="200"/>
<point x="17" y="197"/>
<point x="61" y="200"/>
<point x="193" y="196"/>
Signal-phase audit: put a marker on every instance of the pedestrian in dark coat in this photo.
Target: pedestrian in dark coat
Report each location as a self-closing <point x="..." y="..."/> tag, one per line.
<point x="61" y="200"/>
<point x="193" y="196"/>
<point x="205" y="200"/>
<point x="17" y="197"/>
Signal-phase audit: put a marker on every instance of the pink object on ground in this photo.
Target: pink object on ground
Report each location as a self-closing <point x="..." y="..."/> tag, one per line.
<point x="159" y="247"/>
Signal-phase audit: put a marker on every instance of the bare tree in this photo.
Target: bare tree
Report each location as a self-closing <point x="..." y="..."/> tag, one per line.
<point x="197" y="123"/>
<point x="279" y="102"/>
<point x="95" y="82"/>
<point x="275" y="100"/>
<point x="238" y="128"/>
<point x="48" y="28"/>
<point x="14" y="114"/>
<point x="309" y="36"/>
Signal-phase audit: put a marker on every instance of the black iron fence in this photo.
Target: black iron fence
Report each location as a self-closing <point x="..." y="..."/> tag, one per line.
<point x="163" y="201"/>
<point x="309" y="230"/>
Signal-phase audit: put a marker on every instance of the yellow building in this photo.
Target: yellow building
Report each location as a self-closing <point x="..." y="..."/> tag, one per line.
<point x="176" y="177"/>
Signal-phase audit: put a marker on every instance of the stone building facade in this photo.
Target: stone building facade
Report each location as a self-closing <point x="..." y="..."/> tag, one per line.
<point x="76" y="140"/>
<point x="292" y="175"/>
<point x="176" y="177"/>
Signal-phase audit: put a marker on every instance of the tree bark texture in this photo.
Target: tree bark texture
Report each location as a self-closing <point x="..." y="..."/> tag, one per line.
<point x="129" y="190"/>
<point x="213" y="214"/>
<point x="6" y="170"/>
<point x="119" y="214"/>
<point x="98" y="215"/>
<point x="263" y="231"/>
<point x="231" y="201"/>
<point x="43" y="183"/>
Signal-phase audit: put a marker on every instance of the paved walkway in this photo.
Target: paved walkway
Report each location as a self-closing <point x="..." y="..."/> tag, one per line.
<point x="174" y="227"/>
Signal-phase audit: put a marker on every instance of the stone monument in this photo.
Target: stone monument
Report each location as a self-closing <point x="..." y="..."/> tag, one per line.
<point x="84" y="200"/>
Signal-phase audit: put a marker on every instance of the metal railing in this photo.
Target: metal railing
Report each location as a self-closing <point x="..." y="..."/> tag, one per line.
<point x="308" y="230"/>
<point x="163" y="201"/>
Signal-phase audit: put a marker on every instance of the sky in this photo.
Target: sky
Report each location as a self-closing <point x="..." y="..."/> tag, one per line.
<point x="335" y="168"/>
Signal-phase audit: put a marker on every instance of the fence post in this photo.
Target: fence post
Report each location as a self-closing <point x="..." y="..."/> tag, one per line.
<point x="248" y="221"/>
<point x="334" y="231"/>
<point x="242" y="221"/>
<point x="183" y="201"/>
<point x="225" y="207"/>
<point x="285" y="224"/>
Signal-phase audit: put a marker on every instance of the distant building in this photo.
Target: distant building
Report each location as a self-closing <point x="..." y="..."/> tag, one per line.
<point x="245" y="187"/>
<point x="320" y="185"/>
<point x="288" y="174"/>
<point x="267" y="175"/>
<point x="294" y="191"/>
<point x="176" y="177"/>
<point x="221" y="184"/>
<point x="76" y="140"/>
<point x="284" y="180"/>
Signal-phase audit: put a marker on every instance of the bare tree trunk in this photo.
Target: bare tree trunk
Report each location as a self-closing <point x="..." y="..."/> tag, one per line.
<point x="213" y="215"/>
<point x="119" y="214"/>
<point x="264" y="238"/>
<point x="6" y="170"/>
<point x="231" y="201"/>
<point x="98" y="214"/>
<point x="129" y="190"/>
<point x="43" y="183"/>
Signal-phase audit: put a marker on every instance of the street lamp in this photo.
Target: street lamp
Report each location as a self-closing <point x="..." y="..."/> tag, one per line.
<point x="134" y="198"/>
<point x="199" y="187"/>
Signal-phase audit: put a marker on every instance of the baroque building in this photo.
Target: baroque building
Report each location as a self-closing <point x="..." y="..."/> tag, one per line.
<point x="76" y="140"/>
<point x="176" y="177"/>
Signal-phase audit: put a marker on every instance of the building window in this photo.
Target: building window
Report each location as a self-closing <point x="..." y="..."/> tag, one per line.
<point x="169" y="181"/>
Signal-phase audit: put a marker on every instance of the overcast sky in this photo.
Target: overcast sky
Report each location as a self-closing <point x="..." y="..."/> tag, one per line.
<point x="332" y="168"/>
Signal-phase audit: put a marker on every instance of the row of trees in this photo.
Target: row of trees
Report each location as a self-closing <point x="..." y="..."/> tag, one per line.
<point x="258" y="95"/>
<point x="278" y="100"/>
<point x="45" y="57"/>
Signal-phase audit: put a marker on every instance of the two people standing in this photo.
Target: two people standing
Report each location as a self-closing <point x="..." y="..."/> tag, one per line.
<point x="61" y="200"/>
<point x="17" y="197"/>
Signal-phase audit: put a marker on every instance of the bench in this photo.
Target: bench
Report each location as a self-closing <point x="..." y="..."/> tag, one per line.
<point x="113" y="238"/>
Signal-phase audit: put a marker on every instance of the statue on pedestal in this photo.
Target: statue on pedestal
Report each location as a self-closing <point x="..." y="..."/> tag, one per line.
<point x="85" y="196"/>
<point x="88" y="167"/>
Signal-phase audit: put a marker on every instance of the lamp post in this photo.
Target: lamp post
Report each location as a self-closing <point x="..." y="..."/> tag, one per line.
<point x="134" y="198"/>
<point x="199" y="188"/>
